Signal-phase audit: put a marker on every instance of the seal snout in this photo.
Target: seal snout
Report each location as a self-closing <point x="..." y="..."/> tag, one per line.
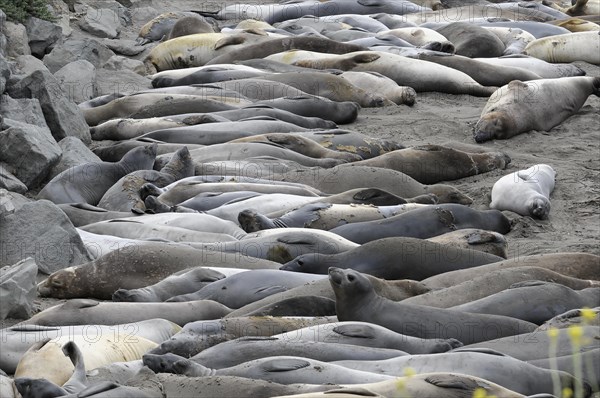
<point x="335" y="275"/>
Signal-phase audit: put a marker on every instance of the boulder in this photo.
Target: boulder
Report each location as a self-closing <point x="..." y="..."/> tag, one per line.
<point x="102" y="22"/>
<point x="17" y="40"/>
<point x="11" y="201"/>
<point x="29" y="151"/>
<point x="118" y="62"/>
<point x="43" y="35"/>
<point x="9" y="182"/>
<point x="18" y="289"/>
<point x="78" y="81"/>
<point x="74" y="153"/>
<point x="26" y="64"/>
<point x="124" y="82"/>
<point x="124" y="47"/>
<point x="41" y="230"/>
<point x="62" y="116"/>
<point x="26" y="110"/>
<point x="72" y="50"/>
<point x="4" y="73"/>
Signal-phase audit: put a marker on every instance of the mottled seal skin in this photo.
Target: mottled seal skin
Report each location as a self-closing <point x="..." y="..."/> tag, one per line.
<point x="134" y="267"/>
<point x="124" y="195"/>
<point x="475" y="239"/>
<point x="543" y="300"/>
<point x="430" y="164"/>
<point x="87" y="183"/>
<point x="539" y="105"/>
<point x="159" y="27"/>
<point x="278" y="45"/>
<point x="425" y="223"/>
<point x="526" y="192"/>
<point x="580" y="46"/>
<point x="394" y="258"/>
<point x="357" y="301"/>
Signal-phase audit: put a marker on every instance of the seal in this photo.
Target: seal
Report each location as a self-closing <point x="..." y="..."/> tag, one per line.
<point x="124" y="195"/>
<point x="297" y="306"/>
<point x="321" y="215"/>
<point x="182" y="282"/>
<point x="376" y="82"/>
<point x="314" y="106"/>
<point x="19" y="338"/>
<point x="521" y="347"/>
<point x="542" y="68"/>
<point x="425" y="223"/>
<point x="475" y="239"/>
<point x="519" y="106"/>
<point x="243" y="349"/>
<point x="449" y="385"/>
<point x="575" y="24"/>
<point x="278" y="369"/>
<point x="580" y="46"/>
<point x="136" y="267"/>
<point x="247" y="287"/>
<point x="159" y="27"/>
<point x="47" y="359"/>
<point x="154" y="105"/>
<point x="430" y="164"/>
<point x="514" y="39"/>
<point x="510" y="373"/>
<point x="526" y="192"/>
<point x="83" y="214"/>
<point x="355" y="299"/>
<point x="575" y="265"/>
<point x="352" y="141"/>
<point x="368" y="335"/>
<point x="199" y="335"/>
<point x="394" y="258"/>
<point x="206" y="75"/>
<point x="90" y="312"/>
<point x="419" y="75"/>
<point x="197" y="49"/>
<point x="472" y="41"/>
<point x="272" y="46"/>
<point x="482" y="286"/>
<point x="557" y="299"/>
<point x="88" y="182"/>
<point x="115" y="152"/>
<point x="190" y="25"/>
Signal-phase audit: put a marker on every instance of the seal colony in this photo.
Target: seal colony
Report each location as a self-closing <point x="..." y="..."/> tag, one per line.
<point x="314" y="260"/>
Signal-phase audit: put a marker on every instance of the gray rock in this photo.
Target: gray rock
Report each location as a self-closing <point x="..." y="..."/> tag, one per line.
<point x="124" y="82"/>
<point x="123" y="12"/>
<point x="11" y="201"/>
<point x="17" y="40"/>
<point x="42" y="231"/>
<point x="4" y="73"/>
<point x="124" y="47"/>
<point x="78" y="81"/>
<point x="62" y="116"/>
<point x="2" y="37"/>
<point x="26" y="64"/>
<point x="10" y="182"/>
<point x="102" y="22"/>
<point x="28" y="151"/>
<point x="18" y="289"/>
<point x="74" y="153"/>
<point x="141" y="15"/>
<point x="72" y="50"/>
<point x="135" y="3"/>
<point x="26" y="110"/>
<point x="118" y="62"/>
<point x="43" y="35"/>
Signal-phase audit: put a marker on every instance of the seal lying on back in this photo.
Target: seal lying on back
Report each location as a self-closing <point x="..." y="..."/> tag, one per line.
<point x="356" y="300"/>
<point x="526" y="192"/>
<point x="87" y="183"/>
<point x="539" y="105"/>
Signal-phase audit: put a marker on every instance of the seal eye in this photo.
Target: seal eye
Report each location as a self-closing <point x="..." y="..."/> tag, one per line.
<point x="351" y="278"/>
<point x="300" y="263"/>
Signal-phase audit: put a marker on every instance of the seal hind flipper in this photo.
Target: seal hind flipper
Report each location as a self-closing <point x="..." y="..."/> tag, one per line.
<point x="87" y="206"/>
<point x="229" y="41"/>
<point x="528" y="284"/>
<point x="78" y="381"/>
<point x="358" y="391"/>
<point x="358" y="331"/>
<point x="98" y="388"/>
<point x="80" y="303"/>
<point x="456" y="382"/>
<point x="284" y="364"/>
<point x="488" y="351"/>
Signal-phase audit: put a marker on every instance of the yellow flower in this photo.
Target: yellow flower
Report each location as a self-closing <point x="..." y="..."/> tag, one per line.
<point x="553" y="332"/>
<point x="567" y="392"/>
<point x="400" y="384"/>
<point x="575" y="333"/>
<point x="588" y="314"/>
<point x="480" y="393"/>
<point x="408" y="372"/>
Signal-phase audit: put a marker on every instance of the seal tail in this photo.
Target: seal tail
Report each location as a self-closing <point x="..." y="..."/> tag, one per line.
<point x="78" y="380"/>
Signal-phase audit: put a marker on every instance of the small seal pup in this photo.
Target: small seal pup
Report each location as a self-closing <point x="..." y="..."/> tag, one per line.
<point x="526" y="192"/>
